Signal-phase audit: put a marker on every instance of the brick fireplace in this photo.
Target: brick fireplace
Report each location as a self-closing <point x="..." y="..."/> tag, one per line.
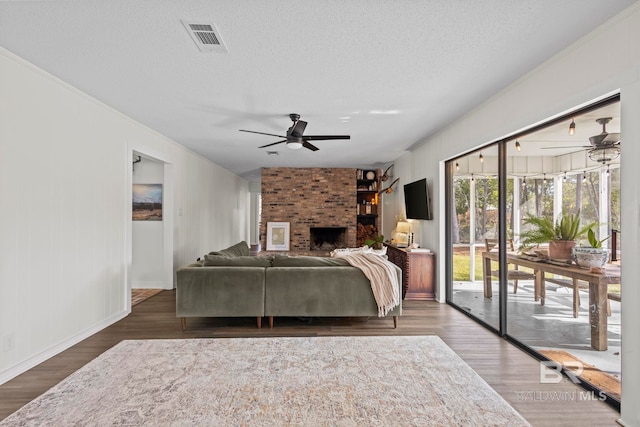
<point x="327" y="238"/>
<point x="306" y="198"/>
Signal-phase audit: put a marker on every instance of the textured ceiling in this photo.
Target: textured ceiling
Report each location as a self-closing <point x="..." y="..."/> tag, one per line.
<point x="389" y="73"/>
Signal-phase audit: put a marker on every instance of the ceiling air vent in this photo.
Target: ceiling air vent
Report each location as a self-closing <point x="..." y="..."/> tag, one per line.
<point x="206" y="36"/>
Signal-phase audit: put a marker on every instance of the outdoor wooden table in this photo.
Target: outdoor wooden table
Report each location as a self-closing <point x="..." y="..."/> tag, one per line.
<point x="597" y="287"/>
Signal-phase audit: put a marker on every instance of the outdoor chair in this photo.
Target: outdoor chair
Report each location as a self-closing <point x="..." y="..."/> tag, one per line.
<point x="513" y="274"/>
<point x="614" y="297"/>
<point x="573" y="284"/>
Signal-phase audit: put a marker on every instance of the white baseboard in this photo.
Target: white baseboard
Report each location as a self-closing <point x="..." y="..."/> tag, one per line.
<point x="35" y="360"/>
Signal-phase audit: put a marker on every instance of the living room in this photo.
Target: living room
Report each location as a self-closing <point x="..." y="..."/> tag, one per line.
<point x="66" y="177"/>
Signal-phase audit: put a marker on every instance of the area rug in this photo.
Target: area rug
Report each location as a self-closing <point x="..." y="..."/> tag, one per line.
<point x="602" y="380"/>
<point x="310" y="381"/>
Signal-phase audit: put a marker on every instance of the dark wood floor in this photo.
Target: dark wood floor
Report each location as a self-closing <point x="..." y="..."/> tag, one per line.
<point x="511" y="372"/>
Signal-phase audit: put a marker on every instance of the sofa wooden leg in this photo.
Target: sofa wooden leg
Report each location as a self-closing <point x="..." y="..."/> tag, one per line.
<point x="259" y="322"/>
<point x="183" y="323"/>
<point x="395" y="322"/>
<point x="270" y="321"/>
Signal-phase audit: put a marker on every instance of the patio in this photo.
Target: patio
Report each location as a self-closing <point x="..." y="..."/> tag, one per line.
<point x="543" y="327"/>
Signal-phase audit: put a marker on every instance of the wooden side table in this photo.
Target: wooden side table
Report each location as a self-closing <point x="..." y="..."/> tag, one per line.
<point x="418" y="269"/>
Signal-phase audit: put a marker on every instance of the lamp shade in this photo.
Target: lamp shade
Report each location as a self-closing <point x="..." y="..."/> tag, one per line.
<point x="403" y="227"/>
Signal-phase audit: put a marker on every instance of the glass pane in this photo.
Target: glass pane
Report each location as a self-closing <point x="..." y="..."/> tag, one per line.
<point x="550" y="174"/>
<point x="475" y="217"/>
<point x="553" y="175"/>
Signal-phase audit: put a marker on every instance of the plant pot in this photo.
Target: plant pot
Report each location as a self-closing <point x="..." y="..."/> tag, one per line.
<point x="587" y="257"/>
<point x="560" y="250"/>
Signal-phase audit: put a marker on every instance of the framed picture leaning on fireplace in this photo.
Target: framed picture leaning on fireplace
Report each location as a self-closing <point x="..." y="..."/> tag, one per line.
<point x="277" y="236"/>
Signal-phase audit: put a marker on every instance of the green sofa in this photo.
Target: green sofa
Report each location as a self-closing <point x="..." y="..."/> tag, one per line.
<point x="230" y="283"/>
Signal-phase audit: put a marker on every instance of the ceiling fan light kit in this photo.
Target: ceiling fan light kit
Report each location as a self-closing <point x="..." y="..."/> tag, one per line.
<point x="605" y="154"/>
<point x="295" y="138"/>
<point x="606" y="146"/>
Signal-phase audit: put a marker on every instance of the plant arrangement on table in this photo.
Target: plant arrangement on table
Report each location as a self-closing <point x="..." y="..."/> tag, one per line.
<point x="375" y="243"/>
<point x="561" y="234"/>
<point x="593" y="255"/>
<point x="593" y="240"/>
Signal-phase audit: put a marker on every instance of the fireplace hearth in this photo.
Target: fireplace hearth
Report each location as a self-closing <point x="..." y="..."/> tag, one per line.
<point x="327" y="238"/>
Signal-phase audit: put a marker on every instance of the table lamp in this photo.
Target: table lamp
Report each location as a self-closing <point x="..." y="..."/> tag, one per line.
<point x="401" y="235"/>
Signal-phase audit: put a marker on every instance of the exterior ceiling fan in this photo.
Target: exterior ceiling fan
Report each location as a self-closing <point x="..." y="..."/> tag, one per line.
<point x="604" y="147"/>
<point x="295" y="137"/>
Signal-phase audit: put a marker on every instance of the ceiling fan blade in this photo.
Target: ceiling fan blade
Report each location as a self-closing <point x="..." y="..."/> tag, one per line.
<point x="273" y="143"/>
<point x="324" y="137"/>
<point x="298" y="128"/>
<point x="262" y="133"/>
<point x="310" y="146"/>
<point x="613" y="137"/>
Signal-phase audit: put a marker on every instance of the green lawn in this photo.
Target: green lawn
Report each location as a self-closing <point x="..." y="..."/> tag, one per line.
<point x="461" y="267"/>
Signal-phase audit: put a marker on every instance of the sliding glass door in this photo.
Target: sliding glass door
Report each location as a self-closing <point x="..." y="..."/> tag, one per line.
<point x="495" y="198"/>
<point x="474" y="205"/>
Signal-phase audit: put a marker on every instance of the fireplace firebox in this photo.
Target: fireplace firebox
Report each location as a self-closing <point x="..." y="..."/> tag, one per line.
<point x="327" y="238"/>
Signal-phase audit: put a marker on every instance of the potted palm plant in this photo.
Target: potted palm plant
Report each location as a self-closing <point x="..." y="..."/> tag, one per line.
<point x="593" y="255"/>
<point x="561" y="234"/>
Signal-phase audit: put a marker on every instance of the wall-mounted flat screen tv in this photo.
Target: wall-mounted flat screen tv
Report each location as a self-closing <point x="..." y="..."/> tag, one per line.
<point x="416" y="200"/>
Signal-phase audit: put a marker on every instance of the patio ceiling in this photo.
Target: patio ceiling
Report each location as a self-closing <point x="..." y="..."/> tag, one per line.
<point x="549" y="151"/>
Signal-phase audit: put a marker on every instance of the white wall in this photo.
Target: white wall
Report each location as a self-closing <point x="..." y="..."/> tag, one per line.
<point x="147" y="256"/>
<point x="606" y="60"/>
<point x="65" y="219"/>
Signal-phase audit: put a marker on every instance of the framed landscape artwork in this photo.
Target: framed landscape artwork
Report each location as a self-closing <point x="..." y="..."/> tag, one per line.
<point x="277" y="236"/>
<point x="147" y="202"/>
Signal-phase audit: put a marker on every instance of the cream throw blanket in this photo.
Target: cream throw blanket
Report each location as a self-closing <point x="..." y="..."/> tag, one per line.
<point x="382" y="275"/>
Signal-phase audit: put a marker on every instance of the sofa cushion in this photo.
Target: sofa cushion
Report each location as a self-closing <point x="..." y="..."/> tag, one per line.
<point x="196" y="264"/>
<point x="239" y="249"/>
<point x="307" y="261"/>
<point x="220" y="291"/>
<point x="236" y="261"/>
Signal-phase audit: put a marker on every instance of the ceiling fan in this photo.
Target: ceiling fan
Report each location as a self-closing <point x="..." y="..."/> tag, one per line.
<point x="295" y="137"/>
<point x="604" y="147"/>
